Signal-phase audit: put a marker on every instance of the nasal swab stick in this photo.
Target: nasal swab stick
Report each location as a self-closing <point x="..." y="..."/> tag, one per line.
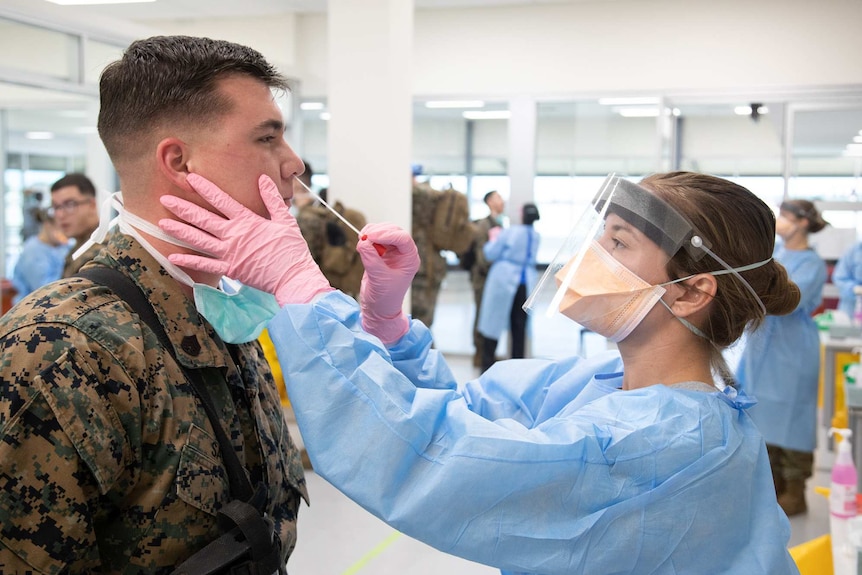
<point x="380" y="249"/>
<point x="330" y="208"/>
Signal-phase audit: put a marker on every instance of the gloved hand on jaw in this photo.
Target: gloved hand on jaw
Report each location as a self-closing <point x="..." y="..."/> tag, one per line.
<point x="268" y="254"/>
<point x="387" y="278"/>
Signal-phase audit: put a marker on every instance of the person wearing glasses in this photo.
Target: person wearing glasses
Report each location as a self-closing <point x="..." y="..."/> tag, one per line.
<point x="73" y="207"/>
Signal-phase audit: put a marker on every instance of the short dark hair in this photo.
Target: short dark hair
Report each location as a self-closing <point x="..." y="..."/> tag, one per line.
<point x="307" y="174"/>
<point x="167" y="80"/>
<point x="488" y="196"/>
<point x="529" y="214"/>
<point x="80" y="181"/>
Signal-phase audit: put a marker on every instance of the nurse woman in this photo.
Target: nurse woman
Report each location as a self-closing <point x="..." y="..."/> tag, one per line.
<point x="780" y="364"/>
<point x="639" y="461"/>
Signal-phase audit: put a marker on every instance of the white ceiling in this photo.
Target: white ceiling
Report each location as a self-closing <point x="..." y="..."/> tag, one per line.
<point x="191" y="9"/>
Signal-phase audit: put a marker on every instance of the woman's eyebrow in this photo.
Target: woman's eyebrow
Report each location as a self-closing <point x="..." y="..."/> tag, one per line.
<point x="623" y="228"/>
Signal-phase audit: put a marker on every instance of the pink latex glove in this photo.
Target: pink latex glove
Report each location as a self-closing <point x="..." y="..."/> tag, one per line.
<point x="494" y="233"/>
<point x="268" y="254"/>
<point x="388" y="275"/>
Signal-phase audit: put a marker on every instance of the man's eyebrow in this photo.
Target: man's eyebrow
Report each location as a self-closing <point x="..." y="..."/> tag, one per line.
<point x="275" y="125"/>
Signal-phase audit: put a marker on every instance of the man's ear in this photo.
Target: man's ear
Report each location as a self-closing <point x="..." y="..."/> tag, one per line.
<point x="695" y="295"/>
<point x="172" y="156"/>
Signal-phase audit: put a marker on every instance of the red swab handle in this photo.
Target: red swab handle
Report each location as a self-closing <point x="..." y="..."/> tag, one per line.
<point x="380" y="249"/>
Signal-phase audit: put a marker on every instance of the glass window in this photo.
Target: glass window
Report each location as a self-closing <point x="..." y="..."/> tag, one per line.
<point x="97" y="55"/>
<point x="49" y="53"/>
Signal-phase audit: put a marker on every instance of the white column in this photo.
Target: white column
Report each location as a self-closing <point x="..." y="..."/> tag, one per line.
<point x="522" y="155"/>
<point x="370" y="101"/>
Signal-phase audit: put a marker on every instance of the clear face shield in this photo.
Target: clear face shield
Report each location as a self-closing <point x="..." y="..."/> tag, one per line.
<point x="611" y="270"/>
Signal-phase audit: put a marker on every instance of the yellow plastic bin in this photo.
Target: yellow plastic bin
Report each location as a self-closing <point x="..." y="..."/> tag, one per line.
<point x="814" y="557"/>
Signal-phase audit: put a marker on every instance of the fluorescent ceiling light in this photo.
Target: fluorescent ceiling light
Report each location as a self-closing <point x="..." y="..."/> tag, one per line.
<point x="325" y="116"/>
<point x="90" y="2"/>
<point x="651" y="112"/>
<point x="311" y="106"/>
<point x="487" y="115"/>
<point x="455" y="104"/>
<point x="642" y="101"/>
<point x="857" y="139"/>
<point x="39" y="135"/>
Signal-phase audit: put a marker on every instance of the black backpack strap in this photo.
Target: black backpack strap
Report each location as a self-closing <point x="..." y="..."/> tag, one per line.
<point x="127" y="290"/>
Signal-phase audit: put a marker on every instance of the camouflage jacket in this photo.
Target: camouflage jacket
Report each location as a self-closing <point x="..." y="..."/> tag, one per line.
<point x="480" y="269"/>
<point x="340" y="264"/>
<point x="108" y="462"/>
<point x="71" y="267"/>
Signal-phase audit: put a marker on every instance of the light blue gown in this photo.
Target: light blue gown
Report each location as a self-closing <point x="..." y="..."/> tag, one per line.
<point x="780" y="365"/>
<point x="846" y="275"/>
<point x="38" y="264"/>
<point x="536" y="467"/>
<point x="515" y="248"/>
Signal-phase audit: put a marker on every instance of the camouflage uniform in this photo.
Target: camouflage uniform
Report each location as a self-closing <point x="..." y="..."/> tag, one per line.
<point x="432" y="270"/>
<point x="341" y="264"/>
<point x="71" y="267"/>
<point x="479" y="272"/>
<point x="312" y="225"/>
<point x="108" y="462"/>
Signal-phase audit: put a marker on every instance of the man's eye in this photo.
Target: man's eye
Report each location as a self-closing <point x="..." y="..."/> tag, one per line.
<point x="267" y="139"/>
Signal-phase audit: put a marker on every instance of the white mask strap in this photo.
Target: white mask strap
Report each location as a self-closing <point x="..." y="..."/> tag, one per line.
<point x="130" y="224"/>
<point x="697" y="242"/>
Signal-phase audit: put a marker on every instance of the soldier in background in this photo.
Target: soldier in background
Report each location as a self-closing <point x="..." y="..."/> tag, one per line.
<point x="73" y="207"/>
<point x="332" y="244"/>
<point x="441" y="221"/>
<point x="341" y="263"/>
<point x="481" y="265"/>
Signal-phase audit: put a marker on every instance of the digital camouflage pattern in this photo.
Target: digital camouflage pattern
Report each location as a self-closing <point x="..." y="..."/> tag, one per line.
<point x="432" y="269"/>
<point x="340" y="264"/>
<point x="71" y="266"/>
<point x="108" y="462"/>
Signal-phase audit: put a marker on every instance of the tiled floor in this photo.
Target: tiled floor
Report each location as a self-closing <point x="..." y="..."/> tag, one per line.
<point x="337" y="537"/>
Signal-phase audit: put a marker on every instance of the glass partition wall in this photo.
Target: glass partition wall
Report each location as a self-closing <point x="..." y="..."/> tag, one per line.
<point x="47" y="115"/>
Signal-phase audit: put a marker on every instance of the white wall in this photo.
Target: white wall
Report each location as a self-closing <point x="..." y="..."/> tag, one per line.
<point x="620" y="46"/>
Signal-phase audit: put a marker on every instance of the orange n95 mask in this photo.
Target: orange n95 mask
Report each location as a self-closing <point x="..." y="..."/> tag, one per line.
<point x="604" y="296"/>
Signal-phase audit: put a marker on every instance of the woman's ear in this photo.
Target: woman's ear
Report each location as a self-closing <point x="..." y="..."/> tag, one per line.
<point x="172" y="156"/>
<point x="695" y="295"/>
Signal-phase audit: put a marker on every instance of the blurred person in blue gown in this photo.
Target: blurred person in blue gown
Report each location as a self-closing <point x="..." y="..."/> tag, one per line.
<point x="42" y="256"/>
<point x="780" y="364"/>
<point x="512" y="276"/>
<point x="846" y="276"/>
<point x="638" y="461"/>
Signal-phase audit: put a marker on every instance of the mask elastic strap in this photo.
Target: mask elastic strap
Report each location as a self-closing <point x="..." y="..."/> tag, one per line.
<point x="697" y="242"/>
<point x="691" y="327"/>
<point x="105" y="224"/>
<point x="128" y="222"/>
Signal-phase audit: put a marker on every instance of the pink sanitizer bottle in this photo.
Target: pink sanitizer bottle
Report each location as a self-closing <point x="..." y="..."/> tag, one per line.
<point x="842" y="505"/>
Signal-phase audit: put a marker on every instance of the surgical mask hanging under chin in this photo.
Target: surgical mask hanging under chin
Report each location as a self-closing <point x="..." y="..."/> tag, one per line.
<point x="238" y="313"/>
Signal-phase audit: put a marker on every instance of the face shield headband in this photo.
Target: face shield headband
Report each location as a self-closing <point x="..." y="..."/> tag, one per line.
<point x="622" y="297"/>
